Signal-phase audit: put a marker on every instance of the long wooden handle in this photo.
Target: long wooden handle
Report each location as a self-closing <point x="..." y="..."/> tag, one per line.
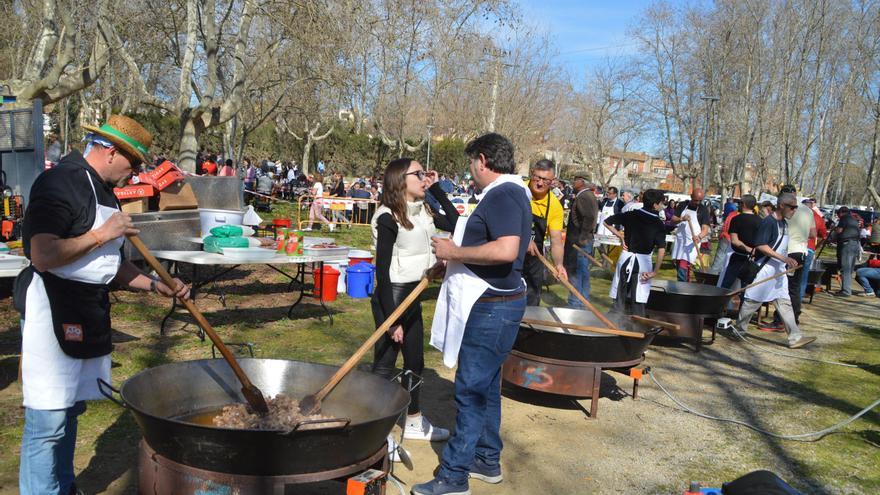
<point x="200" y="318"/>
<point x="592" y="260"/>
<point x="656" y="323"/>
<point x="759" y="282"/>
<point x="609" y="260"/>
<point x="577" y="294"/>
<point x="585" y="328"/>
<point x="353" y="360"/>
<point x="702" y="264"/>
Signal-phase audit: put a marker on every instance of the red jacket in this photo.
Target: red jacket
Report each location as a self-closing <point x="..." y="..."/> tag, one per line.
<point x="821" y="231"/>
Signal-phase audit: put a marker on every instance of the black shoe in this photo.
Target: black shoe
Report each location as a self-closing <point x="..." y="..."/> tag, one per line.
<point x="840" y="293"/>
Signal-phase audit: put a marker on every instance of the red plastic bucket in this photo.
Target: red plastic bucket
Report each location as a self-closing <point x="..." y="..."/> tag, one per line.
<point x="326" y="291"/>
<point x="281" y="222"/>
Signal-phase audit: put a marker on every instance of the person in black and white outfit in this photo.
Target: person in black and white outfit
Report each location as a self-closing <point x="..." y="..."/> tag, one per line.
<point x="73" y="232"/>
<point x="402" y="228"/>
<point x="642" y="232"/>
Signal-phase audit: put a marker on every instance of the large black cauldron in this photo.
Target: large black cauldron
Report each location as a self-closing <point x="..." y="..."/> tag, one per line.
<point x="575" y="345"/>
<point x="158" y="397"/>
<point x="687" y="298"/>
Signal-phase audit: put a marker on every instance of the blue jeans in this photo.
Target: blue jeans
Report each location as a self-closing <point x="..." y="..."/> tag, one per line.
<point x="488" y="337"/>
<point x="849" y="255"/>
<point x="864" y="276"/>
<point x="580" y="279"/>
<point x="808" y="264"/>
<point x="47" y="450"/>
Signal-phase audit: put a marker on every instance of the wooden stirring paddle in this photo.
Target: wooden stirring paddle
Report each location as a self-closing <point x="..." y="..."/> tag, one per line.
<point x="251" y="393"/>
<point x="311" y="404"/>
<point x="577" y="294"/>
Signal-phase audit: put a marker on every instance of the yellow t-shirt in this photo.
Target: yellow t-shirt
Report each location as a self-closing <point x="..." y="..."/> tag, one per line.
<point x="554" y="216"/>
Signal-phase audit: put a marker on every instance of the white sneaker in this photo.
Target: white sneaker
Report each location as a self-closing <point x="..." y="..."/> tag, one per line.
<point x="307" y="229"/>
<point x="332" y="227"/>
<point x="394" y="449"/>
<point x="422" y="429"/>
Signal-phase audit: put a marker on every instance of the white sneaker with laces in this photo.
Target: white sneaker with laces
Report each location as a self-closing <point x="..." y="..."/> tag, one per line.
<point x="421" y="429"/>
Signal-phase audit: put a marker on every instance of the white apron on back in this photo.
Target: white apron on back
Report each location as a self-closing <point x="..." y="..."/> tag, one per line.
<point x="50" y="378"/>
<point x="625" y="262"/>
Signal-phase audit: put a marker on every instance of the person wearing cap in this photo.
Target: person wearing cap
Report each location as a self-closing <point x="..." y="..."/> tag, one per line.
<point x="73" y="232"/>
<point x="581" y="219"/>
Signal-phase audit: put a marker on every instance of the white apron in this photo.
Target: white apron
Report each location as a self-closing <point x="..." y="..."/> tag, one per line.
<point x="723" y="271"/>
<point x="606" y="212"/>
<point x="460" y="290"/>
<point x="684" y="248"/>
<point x="643" y="290"/>
<point x="778" y="287"/>
<point x="50" y="378"/>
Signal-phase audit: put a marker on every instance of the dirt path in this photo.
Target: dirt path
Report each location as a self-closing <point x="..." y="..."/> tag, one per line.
<point x="644" y="446"/>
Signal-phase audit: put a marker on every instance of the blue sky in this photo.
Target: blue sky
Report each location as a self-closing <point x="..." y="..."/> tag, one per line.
<point x="585" y="31"/>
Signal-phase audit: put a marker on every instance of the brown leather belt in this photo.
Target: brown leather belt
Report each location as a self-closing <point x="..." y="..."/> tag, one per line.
<point x="515" y="297"/>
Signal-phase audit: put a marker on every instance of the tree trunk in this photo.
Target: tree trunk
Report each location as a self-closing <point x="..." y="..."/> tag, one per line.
<point x="307" y="150"/>
<point x="188" y="146"/>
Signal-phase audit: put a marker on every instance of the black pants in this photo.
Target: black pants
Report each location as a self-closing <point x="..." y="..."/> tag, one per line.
<point x="734" y="266"/>
<point x="533" y="273"/>
<point x="625" y="303"/>
<point x="386" y="350"/>
<point x="794" y="287"/>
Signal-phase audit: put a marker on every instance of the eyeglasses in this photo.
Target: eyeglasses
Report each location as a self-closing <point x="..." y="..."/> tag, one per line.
<point x="418" y="173"/>
<point x="543" y="180"/>
<point x="792" y="206"/>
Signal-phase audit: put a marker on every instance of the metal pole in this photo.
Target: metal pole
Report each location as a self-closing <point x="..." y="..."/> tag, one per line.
<point x="428" y="161"/>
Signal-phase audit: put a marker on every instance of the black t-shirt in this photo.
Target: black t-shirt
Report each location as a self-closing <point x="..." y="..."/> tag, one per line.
<point x="850" y="228"/>
<point x="745" y="226"/>
<point x="504" y="211"/>
<point x="703" y="216"/>
<point x="643" y="230"/>
<point x="62" y="202"/>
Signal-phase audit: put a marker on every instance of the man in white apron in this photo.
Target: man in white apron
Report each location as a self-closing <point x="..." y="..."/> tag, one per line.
<point x="772" y="244"/>
<point x="643" y="231"/>
<point x="73" y="233"/>
<point x="693" y="227"/>
<point x="479" y="310"/>
<point x="611" y="205"/>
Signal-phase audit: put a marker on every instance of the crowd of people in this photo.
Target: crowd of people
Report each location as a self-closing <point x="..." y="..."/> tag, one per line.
<point x="491" y="262"/>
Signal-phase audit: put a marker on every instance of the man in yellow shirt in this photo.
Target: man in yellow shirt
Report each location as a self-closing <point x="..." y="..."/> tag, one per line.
<point x="547" y="216"/>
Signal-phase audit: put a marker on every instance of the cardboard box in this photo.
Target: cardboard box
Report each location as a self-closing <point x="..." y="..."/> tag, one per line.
<point x="178" y="196"/>
<point x="132" y="192"/>
<point x="135" y="206"/>
<point x="168" y="179"/>
<point x="162" y="169"/>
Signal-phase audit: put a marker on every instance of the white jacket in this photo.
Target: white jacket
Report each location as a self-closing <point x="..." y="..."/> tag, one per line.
<point x="412" y="253"/>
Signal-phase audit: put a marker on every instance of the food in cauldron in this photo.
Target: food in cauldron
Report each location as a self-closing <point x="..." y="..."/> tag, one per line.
<point x="283" y="414"/>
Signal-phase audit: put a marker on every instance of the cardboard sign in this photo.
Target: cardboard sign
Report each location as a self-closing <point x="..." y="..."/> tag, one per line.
<point x="178" y="196"/>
